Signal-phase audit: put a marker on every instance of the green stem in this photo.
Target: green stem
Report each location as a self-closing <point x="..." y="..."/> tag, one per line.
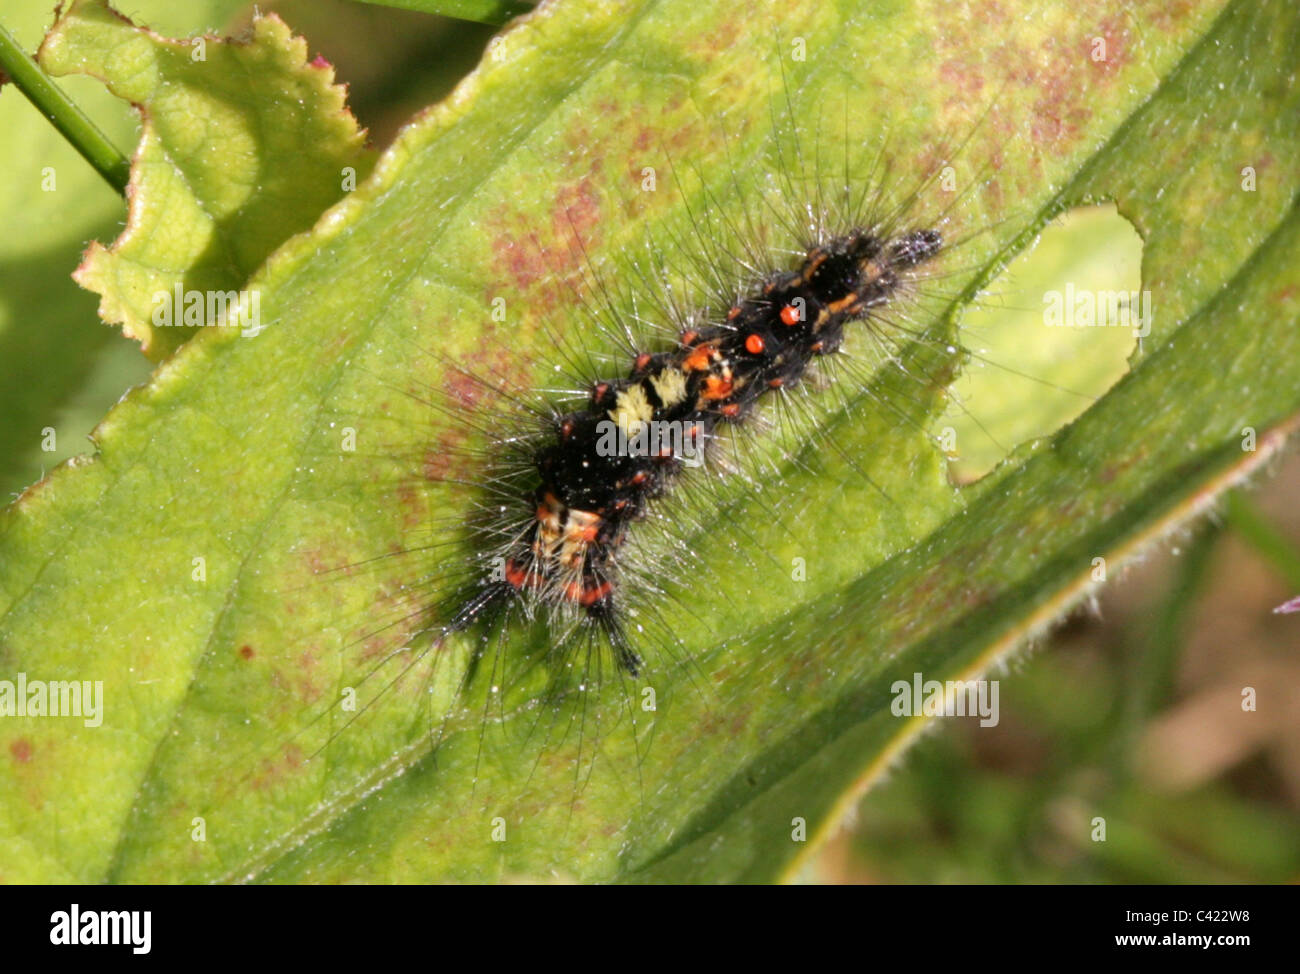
<point x="70" y="120"/>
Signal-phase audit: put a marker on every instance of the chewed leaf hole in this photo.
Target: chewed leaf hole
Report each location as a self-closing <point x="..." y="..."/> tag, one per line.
<point x="1048" y="337"/>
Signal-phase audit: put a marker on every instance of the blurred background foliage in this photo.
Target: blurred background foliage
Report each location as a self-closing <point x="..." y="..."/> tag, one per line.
<point x="1129" y="711"/>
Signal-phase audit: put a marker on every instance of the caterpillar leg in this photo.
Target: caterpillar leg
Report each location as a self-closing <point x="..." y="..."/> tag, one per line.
<point x="605" y="613"/>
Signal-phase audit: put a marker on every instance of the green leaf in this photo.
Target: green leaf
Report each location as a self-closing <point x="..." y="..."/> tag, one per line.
<point x="777" y="704"/>
<point x="51" y="203"/>
<point x="479" y="11"/>
<point x="243" y="144"/>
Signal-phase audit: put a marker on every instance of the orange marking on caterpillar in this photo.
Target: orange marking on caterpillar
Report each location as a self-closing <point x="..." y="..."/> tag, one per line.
<point x="548" y="511"/>
<point x="583" y="526"/>
<point x="754" y="344"/>
<point x="576" y="592"/>
<point x="717" y="387"/>
<point x="816" y="257"/>
<point x="516" y="577"/>
<point x="790" y="315"/>
<point x="699" y="359"/>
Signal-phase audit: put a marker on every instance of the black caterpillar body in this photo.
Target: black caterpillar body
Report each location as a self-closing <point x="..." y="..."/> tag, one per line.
<point x="606" y="464"/>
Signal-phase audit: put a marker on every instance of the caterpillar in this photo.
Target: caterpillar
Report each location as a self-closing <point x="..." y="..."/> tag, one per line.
<point x="573" y="556"/>
<point x="607" y="463"/>
<point x="478" y="572"/>
<point x="571" y="481"/>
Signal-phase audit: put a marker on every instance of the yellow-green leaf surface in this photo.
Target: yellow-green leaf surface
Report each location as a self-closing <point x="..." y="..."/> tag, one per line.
<point x="243" y="144"/>
<point x="223" y="678"/>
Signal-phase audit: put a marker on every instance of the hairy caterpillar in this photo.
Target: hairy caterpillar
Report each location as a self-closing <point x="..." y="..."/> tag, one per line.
<point x="429" y="645"/>
<point x="670" y="374"/>
<point x="597" y="476"/>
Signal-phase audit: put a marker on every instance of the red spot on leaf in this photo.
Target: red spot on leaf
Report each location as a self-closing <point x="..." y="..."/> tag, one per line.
<point x="273" y="771"/>
<point x="436" y="466"/>
<point x="958" y="74"/>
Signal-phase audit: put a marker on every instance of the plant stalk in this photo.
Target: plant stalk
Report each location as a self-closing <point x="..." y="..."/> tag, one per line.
<point x="71" y="121"/>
